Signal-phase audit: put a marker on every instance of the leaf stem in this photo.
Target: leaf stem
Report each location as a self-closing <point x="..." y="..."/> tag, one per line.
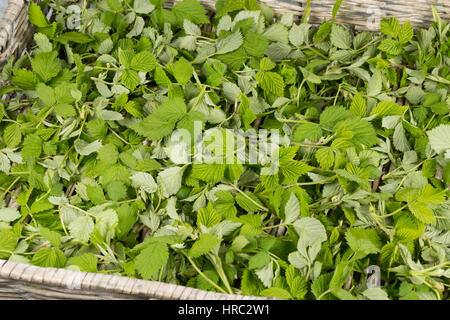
<point x="204" y="275"/>
<point x="218" y="265"/>
<point x="309" y="145"/>
<point x="393" y="213"/>
<point x="118" y="136"/>
<point x="299" y="91"/>
<point x="44" y="117"/>
<point x="393" y="173"/>
<point x="325" y="293"/>
<point x="253" y="201"/>
<point x="200" y="96"/>
<point x="274" y="226"/>
<point x="9" y="187"/>
<point x="75" y="207"/>
<point x="312" y="182"/>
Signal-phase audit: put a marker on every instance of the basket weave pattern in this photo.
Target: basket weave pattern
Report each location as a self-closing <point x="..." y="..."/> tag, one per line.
<point x="22" y="281"/>
<point x="362" y="14"/>
<point x="15" y="30"/>
<point x="365" y="14"/>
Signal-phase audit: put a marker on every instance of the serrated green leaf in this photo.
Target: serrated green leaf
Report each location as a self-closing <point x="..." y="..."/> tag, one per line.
<point x="143" y="61"/>
<point x="36" y="16"/>
<point x="363" y="241"/>
<point x="271" y="82"/>
<point x="130" y="79"/>
<point x="9" y="214"/>
<point x="203" y="245"/>
<point x="422" y="212"/>
<point x="182" y="71"/>
<point x="390" y="27"/>
<point x="81" y="228"/>
<point x="406" y="33"/>
<point x="340" y="37"/>
<point x="358" y="106"/>
<point x="292" y="209"/>
<point x="152" y="259"/>
<point x="86" y="262"/>
<point x="46" y="65"/>
<point x="49" y="257"/>
<point x="230" y="43"/>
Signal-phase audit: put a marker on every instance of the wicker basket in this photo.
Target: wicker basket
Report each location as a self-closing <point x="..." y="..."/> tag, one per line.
<point x="15" y="30"/>
<point x="22" y="281"/>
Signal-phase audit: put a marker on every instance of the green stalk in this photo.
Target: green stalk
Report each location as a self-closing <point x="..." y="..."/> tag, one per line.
<point x="204" y="275"/>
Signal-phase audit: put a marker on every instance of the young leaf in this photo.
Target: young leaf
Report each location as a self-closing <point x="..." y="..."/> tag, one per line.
<point x="203" y="245"/>
<point x="152" y="259"/>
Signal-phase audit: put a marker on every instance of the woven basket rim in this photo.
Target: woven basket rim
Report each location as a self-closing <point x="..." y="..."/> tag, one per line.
<point x="109" y="284"/>
<point x="34" y="275"/>
<point x="9" y="9"/>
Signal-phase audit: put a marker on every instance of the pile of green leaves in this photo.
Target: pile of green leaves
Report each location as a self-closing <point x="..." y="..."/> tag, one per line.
<point x="91" y="181"/>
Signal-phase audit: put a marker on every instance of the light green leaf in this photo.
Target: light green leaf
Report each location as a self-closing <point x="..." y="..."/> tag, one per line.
<point x="130" y="79"/>
<point x="255" y="44"/>
<point x="299" y="34"/>
<point x="9" y="214"/>
<point x="358" y="106"/>
<point x="375" y="294"/>
<point x="422" y="212"/>
<point x="390" y="27"/>
<point x="36" y="16"/>
<point x="212" y="173"/>
<point x="340" y="37"/>
<point x="191" y="10"/>
<point x="440" y="139"/>
<point x="276" y="292"/>
<point x="145" y="181"/>
<point x="277" y="33"/>
<point x="86" y="262"/>
<point x="52" y="236"/>
<point x="183" y="71"/>
<point x="143" y="6"/>
<point x="84" y="148"/>
<point x="105" y="46"/>
<point x="374" y="84"/>
<point x="406" y="33"/>
<point x="46" y="65"/>
<point x="152" y="259"/>
<point x="44" y="45"/>
<point x="363" y="241"/>
<point x="292" y="209"/>
<point x="203" y="245"/>
<point x="266" y="275"/>
<point x="12" y="135"/>
<point x="191" y="28"/>
<point x="162" y="121"/>
<point x="310" y="231"/>
<point x="230" y="43"/>
<point x="108" y="153"/>
<point x="170" y="180"/>
<point x="271" y="82"/>
<point x="143" y="61"/>
<point x="49" y="257"/>
<point x="81" y="228"/>
<point x="390" y="46"/>
<point x="309" y="76"/>
<point x="399" y="139"/>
